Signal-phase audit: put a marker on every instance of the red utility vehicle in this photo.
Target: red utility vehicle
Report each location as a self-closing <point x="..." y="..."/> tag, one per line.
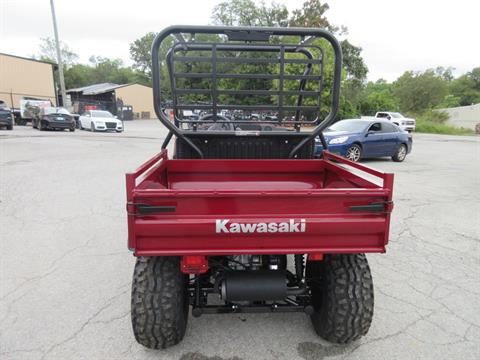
<point x="248" y="221"/>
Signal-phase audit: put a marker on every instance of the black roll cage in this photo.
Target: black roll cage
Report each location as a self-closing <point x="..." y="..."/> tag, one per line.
<point x="254" y="39"/>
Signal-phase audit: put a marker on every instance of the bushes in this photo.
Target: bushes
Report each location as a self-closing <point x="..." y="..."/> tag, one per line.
<point x="434" y="122"/>
<point x="435" y="128"/>
<point x="434" y="116"/>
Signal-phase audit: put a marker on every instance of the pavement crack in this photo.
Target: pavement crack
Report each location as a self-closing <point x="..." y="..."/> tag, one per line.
<point x="115" y="318"/>
<point x="83" y="326"/>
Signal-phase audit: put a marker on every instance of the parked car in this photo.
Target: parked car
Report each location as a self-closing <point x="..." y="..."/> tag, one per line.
<point x="358" y="139"/>
<point x="6" y="116"/>
<point x="406" y="124"/>
<point x="54" y="118"/>
<point x="100" y="120"/>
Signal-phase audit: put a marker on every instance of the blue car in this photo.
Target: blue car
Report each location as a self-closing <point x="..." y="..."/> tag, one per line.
<point x="357" y="139"/>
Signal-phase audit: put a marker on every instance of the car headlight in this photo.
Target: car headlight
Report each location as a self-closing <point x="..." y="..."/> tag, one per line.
<point x="338" y="140"/>
<point x="99" y="123"/>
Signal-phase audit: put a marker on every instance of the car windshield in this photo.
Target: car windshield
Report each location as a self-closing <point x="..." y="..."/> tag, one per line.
<point x="349" y="125"/>
<point x="55" y="110"/>
<point x="102" y="114"/>
<point x="397" y="115"/>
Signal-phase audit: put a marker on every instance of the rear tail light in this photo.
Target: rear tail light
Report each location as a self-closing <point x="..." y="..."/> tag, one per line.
<point x="194" y="264"/>
<point x="315" y="257"/>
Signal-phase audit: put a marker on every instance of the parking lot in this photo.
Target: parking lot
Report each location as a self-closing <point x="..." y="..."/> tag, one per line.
<point x="66" y="271"/>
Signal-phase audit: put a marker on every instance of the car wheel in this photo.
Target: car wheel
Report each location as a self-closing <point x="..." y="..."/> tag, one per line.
<point x="40" y="126"/>
<point x="354" y="153"/>
<point x="9" y="127"/>
<point x="401" y="154"/>
<point x="72" y="129"/>
<point x="34" y="124"/>
<point x="92" y="127"/>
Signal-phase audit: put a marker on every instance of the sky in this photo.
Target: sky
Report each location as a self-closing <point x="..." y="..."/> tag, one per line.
<point x="395" y="36"/>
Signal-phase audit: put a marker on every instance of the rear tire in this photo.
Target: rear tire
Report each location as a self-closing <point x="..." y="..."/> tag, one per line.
<point x="9" y="127"/>
<point x="401" y="154"/>
<point x="342" y="296"/>
<point x="40" y="126"/>
<point x="159" y="302"/>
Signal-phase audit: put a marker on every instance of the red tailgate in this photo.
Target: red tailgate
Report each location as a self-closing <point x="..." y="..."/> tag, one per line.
<point x="220" y="207"/>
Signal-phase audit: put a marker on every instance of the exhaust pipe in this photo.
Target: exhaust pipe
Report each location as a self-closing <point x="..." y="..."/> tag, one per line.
<point x="259" y="285"/>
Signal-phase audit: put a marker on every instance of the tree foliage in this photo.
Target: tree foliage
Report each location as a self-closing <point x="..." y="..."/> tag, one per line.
<point x="467" y="88"/>
<point x="312" y="14"/>
<point x="353" y="62"/>
<point x="247" y="13"/>
<point x="417" y="91"/>
<point x="102" y="70"/>
<point x="48" y="52"/>
<point x="377" y="96"/>
<point x="141" y="54"/>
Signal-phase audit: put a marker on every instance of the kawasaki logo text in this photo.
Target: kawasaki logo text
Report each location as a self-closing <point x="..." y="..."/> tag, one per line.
<point x="292" y="226"/>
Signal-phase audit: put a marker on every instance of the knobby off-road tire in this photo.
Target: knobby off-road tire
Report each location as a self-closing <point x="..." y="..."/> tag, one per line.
<point x="159" y="302"/>
<point x="342" y="295"/>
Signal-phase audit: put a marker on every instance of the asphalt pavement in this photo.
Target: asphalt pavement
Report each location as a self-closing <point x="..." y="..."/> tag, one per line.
<point x="65" y="271"/>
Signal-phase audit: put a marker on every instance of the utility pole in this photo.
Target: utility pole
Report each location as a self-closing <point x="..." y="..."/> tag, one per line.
<point x="59" y="56"/>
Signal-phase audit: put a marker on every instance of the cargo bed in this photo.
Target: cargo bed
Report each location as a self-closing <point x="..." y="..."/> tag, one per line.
<point x="226" y="207"/>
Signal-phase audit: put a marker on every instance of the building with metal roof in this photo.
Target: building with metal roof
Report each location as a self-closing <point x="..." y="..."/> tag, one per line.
<point x="118" y="99"/>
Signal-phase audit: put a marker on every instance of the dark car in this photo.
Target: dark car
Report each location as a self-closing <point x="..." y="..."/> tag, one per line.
<point x="358" y="139"/>
<point x="55" y="118"/>
<point x="6" y="116"/>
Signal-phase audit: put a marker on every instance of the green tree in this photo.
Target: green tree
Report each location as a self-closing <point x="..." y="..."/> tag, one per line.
<point x="78" y="75"/>
<point x="467" y="88"/>
<point x="312" y="14"/>
<point x="377" y="96"/>
<point x="377" y="101"/>
<point x="102" y="70"/>
<point x="48" y="52"/>
<point x="141" y="54"/>
<point x="449" y="101"/>
<point x="419" y="91"/>
<point x="353" y="62"/>
<point x="247" y="13"/>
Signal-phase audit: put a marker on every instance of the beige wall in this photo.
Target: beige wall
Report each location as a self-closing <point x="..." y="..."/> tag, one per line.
<point x="464" y="116"/>
<point x="25" y="78"/>
<point x="138" y="96"/>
